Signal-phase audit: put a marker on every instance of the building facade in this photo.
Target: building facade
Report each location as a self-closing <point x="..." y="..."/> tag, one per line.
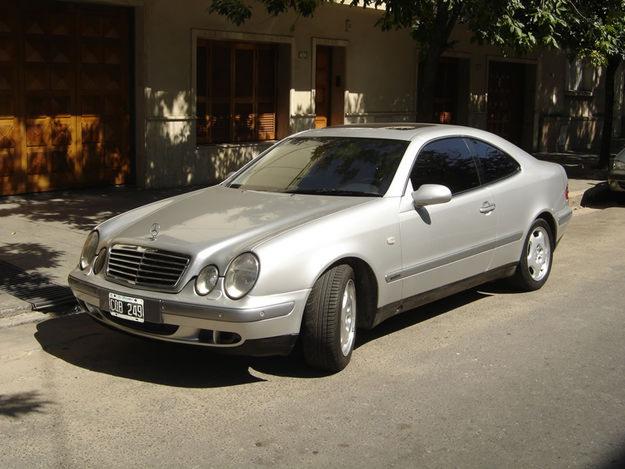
<point x="163" y="93"/>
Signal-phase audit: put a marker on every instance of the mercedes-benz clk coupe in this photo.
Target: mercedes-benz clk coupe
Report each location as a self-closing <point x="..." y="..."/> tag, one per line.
<point x="326" y="232"/>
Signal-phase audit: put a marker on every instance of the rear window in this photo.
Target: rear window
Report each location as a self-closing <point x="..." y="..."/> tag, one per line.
<point x="495" y="163"/>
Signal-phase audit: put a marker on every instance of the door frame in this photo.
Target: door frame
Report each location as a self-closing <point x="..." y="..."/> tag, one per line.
<point x="320" y="41"/>
<point x="537" y="89"/>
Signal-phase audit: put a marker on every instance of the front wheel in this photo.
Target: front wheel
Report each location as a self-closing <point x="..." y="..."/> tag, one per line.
<point x="536" y="259"/>
<point x="329" y="325"/>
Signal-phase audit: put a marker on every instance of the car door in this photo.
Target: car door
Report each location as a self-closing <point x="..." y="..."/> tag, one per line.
<point x="445" y="243"/>
<point x="498" y="170"/>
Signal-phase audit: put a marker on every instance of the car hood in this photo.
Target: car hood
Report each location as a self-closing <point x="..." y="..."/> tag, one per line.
<point x="222" y="219"/>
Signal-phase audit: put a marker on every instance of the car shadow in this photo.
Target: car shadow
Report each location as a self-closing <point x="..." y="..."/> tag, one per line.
<point x="418" y="315"/>
<point x="79" y="340"/>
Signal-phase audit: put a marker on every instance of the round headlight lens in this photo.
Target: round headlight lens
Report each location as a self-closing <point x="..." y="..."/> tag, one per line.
<point x="206" y="280"/>
<point x="89" y="249"/>
<point x="99" y="261"/>
<point x="241" y="275"/>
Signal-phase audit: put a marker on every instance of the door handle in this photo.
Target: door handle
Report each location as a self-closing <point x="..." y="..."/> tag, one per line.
<point x="487" y="207"/>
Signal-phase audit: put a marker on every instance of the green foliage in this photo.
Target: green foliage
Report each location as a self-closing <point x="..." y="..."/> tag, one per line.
<point x="596" y="30"/>
<point x="520" y="25"/>
<point x="239" y="11"/>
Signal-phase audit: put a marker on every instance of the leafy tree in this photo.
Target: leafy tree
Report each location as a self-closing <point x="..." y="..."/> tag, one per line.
<point x="515" y="24"/>
<point x="596" y="31"/>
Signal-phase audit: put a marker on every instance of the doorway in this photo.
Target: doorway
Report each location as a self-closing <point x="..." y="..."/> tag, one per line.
<point x="511" y="92"/>
<point x="451" y="92"/>
<point x="329" y="86"/>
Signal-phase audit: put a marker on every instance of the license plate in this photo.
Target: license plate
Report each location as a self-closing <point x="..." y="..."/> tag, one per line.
<point x="126" y="307"/>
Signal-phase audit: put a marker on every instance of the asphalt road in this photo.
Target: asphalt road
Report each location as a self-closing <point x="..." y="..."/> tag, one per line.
<point x="487" y="378"/>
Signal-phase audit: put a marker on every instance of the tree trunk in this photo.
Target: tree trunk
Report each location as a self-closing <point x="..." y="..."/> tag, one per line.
<point x="427" y="84"/>
<point x="608" y="108"/>
<point x="443" y="24"/>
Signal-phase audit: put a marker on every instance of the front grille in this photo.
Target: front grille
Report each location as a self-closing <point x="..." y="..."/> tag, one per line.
<point x="147" y="267"/>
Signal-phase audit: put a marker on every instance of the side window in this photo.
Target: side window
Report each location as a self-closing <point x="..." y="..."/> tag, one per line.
<point x="447" y="162"/>
<point x="495" y="163"/>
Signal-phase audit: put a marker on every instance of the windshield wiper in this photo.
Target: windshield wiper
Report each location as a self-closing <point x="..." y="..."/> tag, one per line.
<point x="334" y="192"/>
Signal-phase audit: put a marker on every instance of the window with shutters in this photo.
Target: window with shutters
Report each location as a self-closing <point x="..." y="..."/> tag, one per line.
<point x="236" y="92"/>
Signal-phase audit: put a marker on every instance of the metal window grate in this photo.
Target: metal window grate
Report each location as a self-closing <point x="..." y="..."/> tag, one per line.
<point x="147" y="267"/>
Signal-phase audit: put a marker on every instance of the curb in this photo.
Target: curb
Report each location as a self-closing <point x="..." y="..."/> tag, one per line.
<point x="28" y="317"/>
<point x="11" y="312"/>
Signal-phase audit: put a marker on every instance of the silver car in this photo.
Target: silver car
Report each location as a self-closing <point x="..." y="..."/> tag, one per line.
<point x="326" y="232"/>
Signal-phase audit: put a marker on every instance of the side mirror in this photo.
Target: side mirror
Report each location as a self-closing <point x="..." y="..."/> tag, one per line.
<point x="431" y="194"/>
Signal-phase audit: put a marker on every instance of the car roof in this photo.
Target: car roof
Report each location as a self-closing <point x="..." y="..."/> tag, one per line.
<point x="388" y="130"/>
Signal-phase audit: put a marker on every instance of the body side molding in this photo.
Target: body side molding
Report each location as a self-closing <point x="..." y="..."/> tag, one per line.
<point x="456" y="256"/>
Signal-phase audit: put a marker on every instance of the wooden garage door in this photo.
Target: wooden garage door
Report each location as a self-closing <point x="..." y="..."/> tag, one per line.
<point x="64" y="96"/>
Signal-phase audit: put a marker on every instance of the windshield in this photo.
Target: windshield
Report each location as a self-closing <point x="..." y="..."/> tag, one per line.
<point x="326" y="165"/>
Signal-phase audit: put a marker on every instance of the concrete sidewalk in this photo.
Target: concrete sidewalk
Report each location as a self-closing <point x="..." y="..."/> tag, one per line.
<point x="43" y="234"/>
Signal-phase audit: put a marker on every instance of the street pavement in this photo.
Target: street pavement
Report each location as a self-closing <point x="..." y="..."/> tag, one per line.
<point x="486" y="378"/>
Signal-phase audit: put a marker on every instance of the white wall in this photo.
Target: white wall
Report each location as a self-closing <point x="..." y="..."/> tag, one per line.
<point x="380" y="79"/>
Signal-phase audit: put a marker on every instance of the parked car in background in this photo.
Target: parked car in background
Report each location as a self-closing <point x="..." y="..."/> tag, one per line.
<point x="616" y="174"/>
<point x="328" y="231"/>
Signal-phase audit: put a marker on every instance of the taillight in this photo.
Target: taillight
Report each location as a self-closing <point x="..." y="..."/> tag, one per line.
<point x="566" y="192"/>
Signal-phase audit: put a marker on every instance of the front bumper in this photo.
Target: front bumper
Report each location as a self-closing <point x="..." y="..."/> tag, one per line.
<point x="260" y="326"/>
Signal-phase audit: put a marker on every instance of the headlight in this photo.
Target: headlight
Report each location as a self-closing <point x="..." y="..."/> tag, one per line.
<point x="618" y="164"/>
<point x="88" y="250"/>
<point x="206" y="280"/>
<point x="99" y="261"/>
<point x="241" y="275"/>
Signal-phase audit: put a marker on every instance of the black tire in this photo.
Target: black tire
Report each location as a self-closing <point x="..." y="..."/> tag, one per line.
<point x="522" y="278"/>
<point x="321" y="333"/>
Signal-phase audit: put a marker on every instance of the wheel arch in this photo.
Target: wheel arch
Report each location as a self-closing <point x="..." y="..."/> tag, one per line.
<point x="553" y="224"/>
<point x="366" y="288"/>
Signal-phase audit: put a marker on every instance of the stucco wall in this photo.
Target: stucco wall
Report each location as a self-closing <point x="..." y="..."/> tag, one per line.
<point x="380" y="83"/>
<point x="561" y="120"/>
<point x="379" y="80"/>
<point x="570" y="121"/>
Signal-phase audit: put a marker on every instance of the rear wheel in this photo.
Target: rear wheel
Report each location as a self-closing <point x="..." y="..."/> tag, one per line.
<point x="329" y="325"/>
<point x="536" y="259"/>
